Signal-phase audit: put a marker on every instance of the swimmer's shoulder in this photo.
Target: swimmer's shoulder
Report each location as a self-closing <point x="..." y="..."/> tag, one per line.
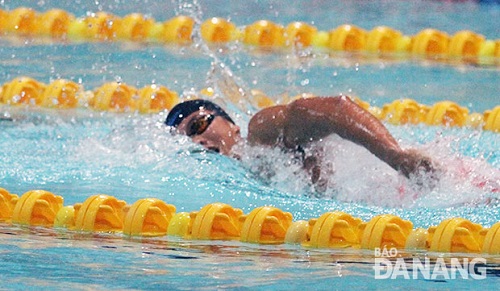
<point x="266" y="126"/>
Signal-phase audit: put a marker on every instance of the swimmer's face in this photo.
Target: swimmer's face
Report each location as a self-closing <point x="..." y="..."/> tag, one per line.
<point x="211" y="131"/>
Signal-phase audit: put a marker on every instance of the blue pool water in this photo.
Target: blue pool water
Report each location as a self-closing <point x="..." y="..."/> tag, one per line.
<point x="78" y="153"/>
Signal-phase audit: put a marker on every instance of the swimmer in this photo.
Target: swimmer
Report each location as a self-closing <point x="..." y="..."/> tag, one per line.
<point x="296" y="126"/>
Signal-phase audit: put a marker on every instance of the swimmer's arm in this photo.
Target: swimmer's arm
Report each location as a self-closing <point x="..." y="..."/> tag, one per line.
<point x="307" y="120"/>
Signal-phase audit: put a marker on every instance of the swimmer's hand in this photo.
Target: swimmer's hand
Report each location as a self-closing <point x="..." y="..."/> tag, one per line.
<point x="418" y="167"/>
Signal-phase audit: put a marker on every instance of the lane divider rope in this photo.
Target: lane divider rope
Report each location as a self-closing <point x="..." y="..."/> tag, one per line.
<point x="151" y="217"/>
<point x="121" y="97"/>
<point x="381" y="41"/>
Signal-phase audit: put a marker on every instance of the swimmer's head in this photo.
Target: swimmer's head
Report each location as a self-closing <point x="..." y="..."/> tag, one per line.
<point x="186" y="108"/>
<point x="206" y="123"/>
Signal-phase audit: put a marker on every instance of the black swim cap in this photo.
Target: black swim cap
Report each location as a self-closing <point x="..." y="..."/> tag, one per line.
<point x="186" y="108"/>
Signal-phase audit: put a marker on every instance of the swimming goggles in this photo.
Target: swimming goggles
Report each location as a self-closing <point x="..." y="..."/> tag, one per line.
<point x="199" y="124"/>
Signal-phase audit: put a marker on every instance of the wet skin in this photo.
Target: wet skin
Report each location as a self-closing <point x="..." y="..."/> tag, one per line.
<point x="308" y="120"/>
<point x="220" y="135"/>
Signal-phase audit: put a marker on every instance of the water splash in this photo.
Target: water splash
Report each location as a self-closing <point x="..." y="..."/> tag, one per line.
<point x="226" y="85"/>
<point x="352" y="174"/>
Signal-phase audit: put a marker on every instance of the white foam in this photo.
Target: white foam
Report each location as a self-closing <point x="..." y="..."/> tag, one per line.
<point x="355" y="175"/>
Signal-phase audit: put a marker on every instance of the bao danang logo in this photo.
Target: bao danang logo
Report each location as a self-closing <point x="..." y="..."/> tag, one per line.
<point x="389" y="266"/>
